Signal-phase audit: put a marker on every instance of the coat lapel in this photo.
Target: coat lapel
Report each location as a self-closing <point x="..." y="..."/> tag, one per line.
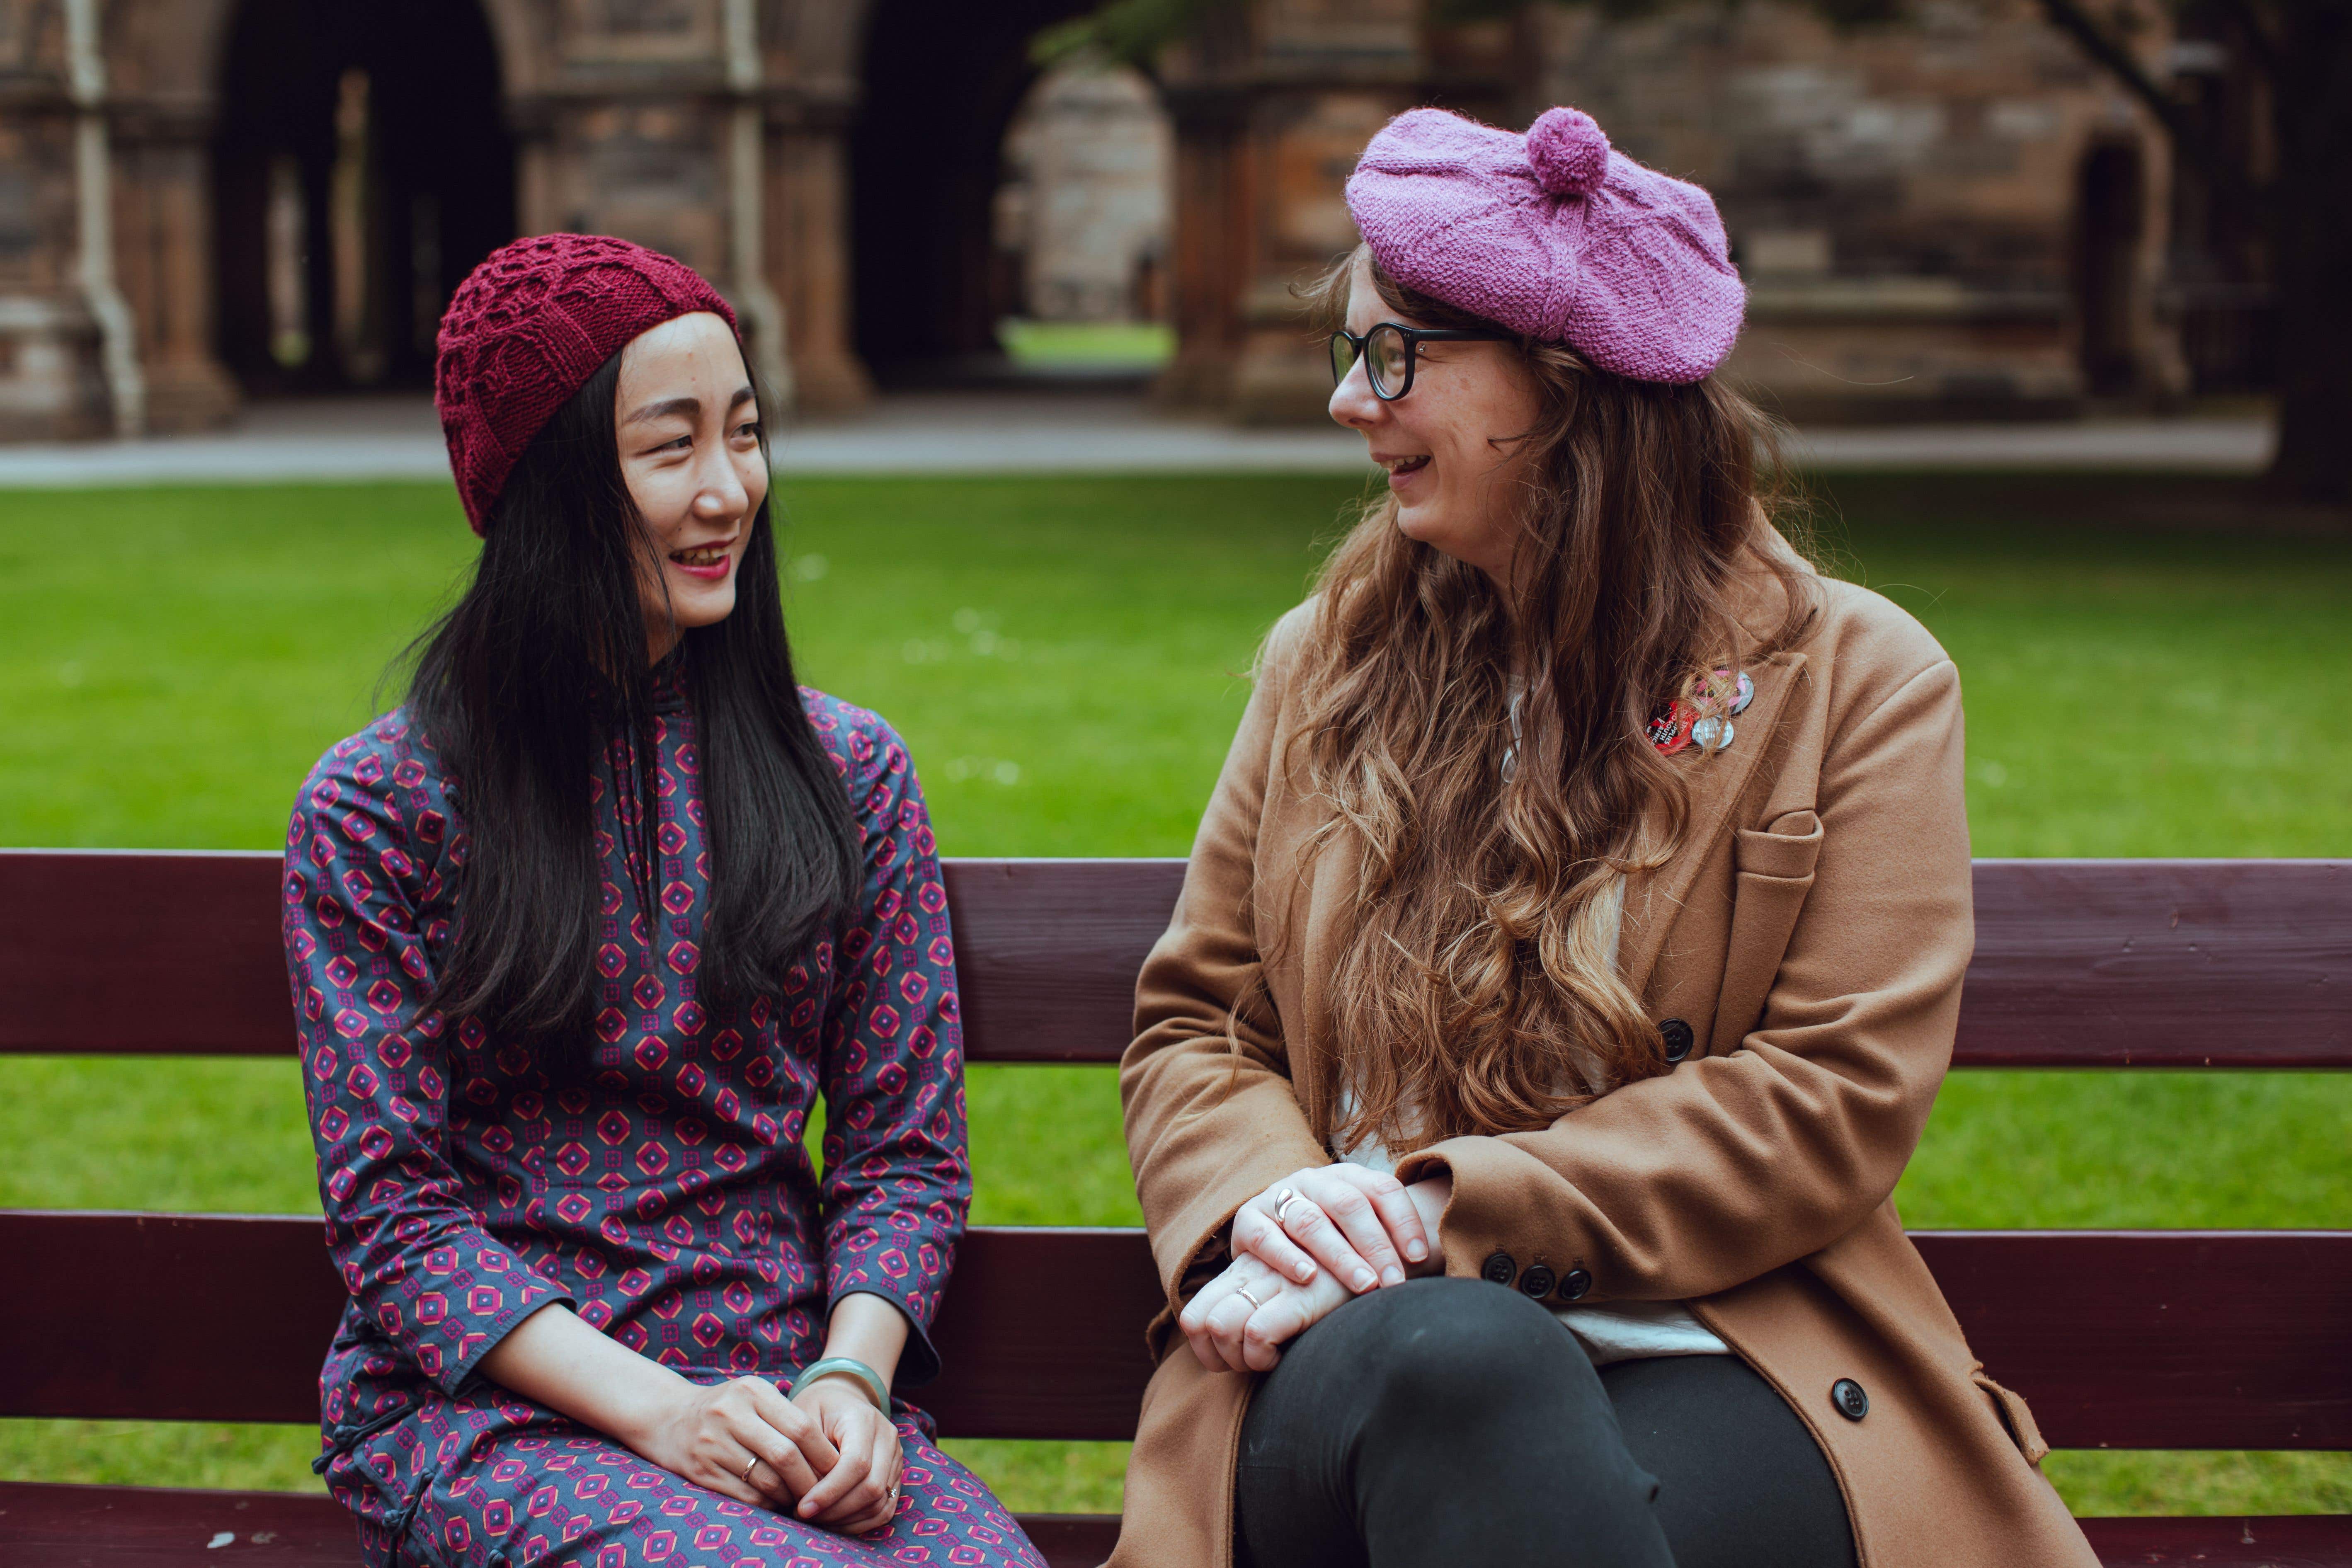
<point x="1653" y="898"/>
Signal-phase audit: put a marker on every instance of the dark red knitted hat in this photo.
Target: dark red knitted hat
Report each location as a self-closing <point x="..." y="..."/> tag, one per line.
<point x="528" y="327"/>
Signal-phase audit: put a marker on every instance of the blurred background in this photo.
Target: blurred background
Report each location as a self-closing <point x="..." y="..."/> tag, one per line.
<point x="2007" y="209"/>
<point x="2050" y="290"/>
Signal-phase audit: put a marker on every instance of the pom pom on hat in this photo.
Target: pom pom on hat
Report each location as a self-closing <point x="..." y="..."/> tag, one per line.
<point x="1556" y="234"/>
<point x="1569" y="151"/>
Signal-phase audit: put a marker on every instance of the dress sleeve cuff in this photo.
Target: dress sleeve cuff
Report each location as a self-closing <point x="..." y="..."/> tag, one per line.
<point x="918" y="1363"/>
<point x="477" y="1339"/>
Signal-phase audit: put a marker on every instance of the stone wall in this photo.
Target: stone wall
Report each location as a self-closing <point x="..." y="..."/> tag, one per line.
<point x="49" y="381"/>
<point x="619" y="110"/>
<point x="1273" y="106"/>
<point x="1919" y="207"/>
<point x="1905" y="200"/>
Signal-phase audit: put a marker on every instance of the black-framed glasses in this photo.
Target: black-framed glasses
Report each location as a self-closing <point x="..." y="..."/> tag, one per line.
<point x="1391" y="349"/>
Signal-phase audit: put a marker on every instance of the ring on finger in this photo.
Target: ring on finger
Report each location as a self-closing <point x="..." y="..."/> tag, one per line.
<point x="1282" y="1202"/>
<point x="1243" y="1293"/>
<point x="750" y="1467"/>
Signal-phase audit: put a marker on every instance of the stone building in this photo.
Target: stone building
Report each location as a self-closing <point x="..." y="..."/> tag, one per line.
<point x="1957" y="216"/>
<point x="202" y="199"/>
<point x="1084" y="211"/>
<point x="1951" y="216"/>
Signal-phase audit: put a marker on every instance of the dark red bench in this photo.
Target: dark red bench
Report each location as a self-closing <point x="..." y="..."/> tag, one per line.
<point x="2127" y="1339"/>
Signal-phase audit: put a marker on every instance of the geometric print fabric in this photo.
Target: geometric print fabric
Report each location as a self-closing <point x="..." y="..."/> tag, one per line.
<point x="662" y="1190"/>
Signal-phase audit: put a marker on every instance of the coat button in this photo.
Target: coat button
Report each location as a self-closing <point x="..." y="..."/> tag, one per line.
<point x="1851" y="1401"/>
<point x="1500" y="1267"/>
<point x="1538" y="1282"/>
<point x="1575" y="1284"/>
<point x="1678" y="1037"/>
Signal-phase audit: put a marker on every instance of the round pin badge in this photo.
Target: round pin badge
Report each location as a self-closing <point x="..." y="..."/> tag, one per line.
<point x="1712" y="734"/>
<point x="1670" y="726"/>
<point x="1734" y="690"/>
<point x="1742" y="690"/>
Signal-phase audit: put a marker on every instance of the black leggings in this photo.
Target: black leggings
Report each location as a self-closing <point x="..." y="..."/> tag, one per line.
<point x="1443" y="1422"/>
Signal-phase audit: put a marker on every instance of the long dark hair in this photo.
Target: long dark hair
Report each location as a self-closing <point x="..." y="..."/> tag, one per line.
<point x="535" y="691"/>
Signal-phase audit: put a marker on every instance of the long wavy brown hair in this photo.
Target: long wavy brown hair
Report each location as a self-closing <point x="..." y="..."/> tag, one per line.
<point x="1477" y="990"/>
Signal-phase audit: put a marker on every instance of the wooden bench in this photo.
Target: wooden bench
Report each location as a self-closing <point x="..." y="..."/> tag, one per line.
<point x="2128" y="1339"/>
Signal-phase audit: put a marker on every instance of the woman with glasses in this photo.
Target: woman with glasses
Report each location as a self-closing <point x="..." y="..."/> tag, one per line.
<point x="1566" y="963"/>
<point x="578" y="935"/>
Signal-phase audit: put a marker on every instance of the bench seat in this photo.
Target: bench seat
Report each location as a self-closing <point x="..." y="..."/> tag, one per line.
<point x="158" y="1527"/>
<point x="54" y="1526"/>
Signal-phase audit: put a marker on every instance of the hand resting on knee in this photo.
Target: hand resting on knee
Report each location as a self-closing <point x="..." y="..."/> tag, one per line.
<point x="827" y="1456"/>
<point x="1359" y="1224"/>
<point x="1274" y="1289"/>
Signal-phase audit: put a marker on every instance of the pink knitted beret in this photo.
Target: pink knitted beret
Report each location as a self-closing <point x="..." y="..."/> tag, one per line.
<point x="528" y="327"/>
<point x="1554" y="235"/>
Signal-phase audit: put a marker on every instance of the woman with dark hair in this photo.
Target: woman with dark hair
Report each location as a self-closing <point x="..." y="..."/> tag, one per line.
<point x="1581" y="917"/>
<point x="578" y="936"/>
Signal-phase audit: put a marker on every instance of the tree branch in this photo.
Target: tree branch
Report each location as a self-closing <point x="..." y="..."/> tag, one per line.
<point x="1131" y="32"/>
<point x="2189" y="143"/>
<point x="2109" y="54"/>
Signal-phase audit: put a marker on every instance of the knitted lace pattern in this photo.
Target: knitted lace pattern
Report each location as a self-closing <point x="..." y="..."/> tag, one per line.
<point x="529" y="327"/>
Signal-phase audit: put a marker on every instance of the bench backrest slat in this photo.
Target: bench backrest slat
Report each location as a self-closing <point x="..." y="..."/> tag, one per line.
<point x="2148" y="1339"/>
<point x="2078" y="962"/>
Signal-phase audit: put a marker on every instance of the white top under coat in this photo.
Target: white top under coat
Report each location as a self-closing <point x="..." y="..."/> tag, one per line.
<point x="1622" y="1331"/>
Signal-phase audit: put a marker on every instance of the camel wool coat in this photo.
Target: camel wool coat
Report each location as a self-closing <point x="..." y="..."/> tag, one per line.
<point x="1811" y="930"/>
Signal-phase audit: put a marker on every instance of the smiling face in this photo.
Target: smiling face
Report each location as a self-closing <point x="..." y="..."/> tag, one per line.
<point x="689" y="430"/>
<point x="1451" y="445"/>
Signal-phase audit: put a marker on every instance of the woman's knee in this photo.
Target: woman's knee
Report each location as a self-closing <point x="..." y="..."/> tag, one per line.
<point x="1428" y="1344"/>
<point x="1441" y="1409"/>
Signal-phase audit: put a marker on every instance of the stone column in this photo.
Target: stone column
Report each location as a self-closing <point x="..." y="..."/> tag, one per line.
<point x="1214" y="241"/>
<point x="625" y="131"/>
<point x="158" y="109"/>
<point x="813" y="55"/>
<point x="165" y="259"/>
<point x="808" y="255"/>
<point x="1273" y="108"/>
<point x="50" y="388"/>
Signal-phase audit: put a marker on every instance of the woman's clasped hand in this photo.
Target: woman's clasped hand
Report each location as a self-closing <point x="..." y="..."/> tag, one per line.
<point x="1302" y="1248"/>
<point x="826" y="1455"/>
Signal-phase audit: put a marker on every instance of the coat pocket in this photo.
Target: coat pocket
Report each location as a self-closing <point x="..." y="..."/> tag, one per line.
<point x="1786" y="849"/>
<point x="2015" y="1415"/>
<point x="1774" y="870"/>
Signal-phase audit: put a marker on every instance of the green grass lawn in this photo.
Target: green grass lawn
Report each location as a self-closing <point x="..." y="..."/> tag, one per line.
<point x="1064" y="657"/>
<point x="1091" y="345"/>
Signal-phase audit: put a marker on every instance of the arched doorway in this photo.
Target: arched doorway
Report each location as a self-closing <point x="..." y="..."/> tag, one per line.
<point x="942" y="79"/>
<point x="361" y="169"/>
<point x="2110" y="226"/>
<point x="1084" y="220"/>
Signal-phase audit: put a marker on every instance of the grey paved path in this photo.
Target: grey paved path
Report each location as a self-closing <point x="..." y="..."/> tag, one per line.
<point x="354" y="439"/>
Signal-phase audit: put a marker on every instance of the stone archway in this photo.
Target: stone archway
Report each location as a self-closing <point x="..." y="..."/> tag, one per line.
<point x="839" y="155"/>
<point x="362" y="167"/>
<point x="942" y="79"/>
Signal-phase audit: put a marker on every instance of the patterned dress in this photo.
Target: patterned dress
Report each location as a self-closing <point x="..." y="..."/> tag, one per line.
<point x="661" y="1190"/>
